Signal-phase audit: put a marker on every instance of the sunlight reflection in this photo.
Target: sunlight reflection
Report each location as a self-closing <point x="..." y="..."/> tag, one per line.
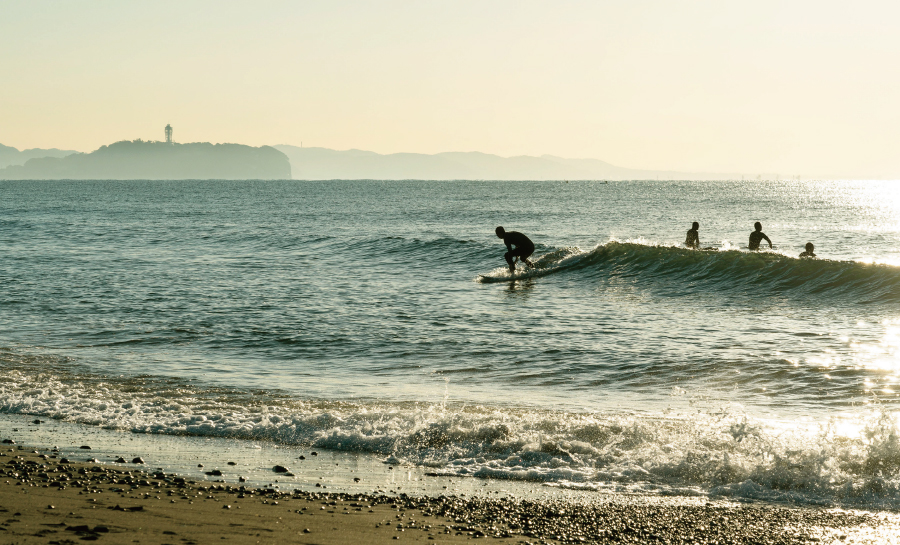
<point x="880" y="355"/>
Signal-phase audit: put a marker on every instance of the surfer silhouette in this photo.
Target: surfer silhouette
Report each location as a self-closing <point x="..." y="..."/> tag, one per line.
<point x="693" y="237"/>
<point x="757" y="236"/>
<point x="523" y="247"/>
<point x="809" y="250"/>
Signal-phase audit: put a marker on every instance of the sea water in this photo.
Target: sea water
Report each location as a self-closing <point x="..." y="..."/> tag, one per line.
<point x="379" y="318"/>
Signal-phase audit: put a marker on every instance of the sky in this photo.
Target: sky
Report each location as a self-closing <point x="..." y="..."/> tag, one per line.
<point x="796" y="88"/>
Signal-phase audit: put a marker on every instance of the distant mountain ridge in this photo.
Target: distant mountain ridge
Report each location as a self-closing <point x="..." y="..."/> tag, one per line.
<point x="12" y="156"/>
<point x="158" y="160"/>
<point x="329" y="164"/>
<point x="140" y="160"/>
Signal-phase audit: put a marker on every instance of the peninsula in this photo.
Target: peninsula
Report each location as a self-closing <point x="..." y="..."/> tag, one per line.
<point x="143" y="160"/>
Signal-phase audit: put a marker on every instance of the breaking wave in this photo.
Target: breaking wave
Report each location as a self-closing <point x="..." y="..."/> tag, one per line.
<point x="713" y="453"/>
<point x="675" y="271"/>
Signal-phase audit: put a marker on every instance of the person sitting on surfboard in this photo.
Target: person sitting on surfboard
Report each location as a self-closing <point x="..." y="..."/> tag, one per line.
<point x="757" y="236"/>
<point x="523" y="247"/>
<point x="809" y="250"/>
<point x="693" y="237"/>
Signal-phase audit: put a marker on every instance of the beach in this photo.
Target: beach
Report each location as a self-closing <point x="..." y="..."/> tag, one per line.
<point x="47" y="498"/>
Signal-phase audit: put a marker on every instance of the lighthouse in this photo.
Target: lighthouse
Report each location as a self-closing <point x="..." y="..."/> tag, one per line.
<point x="168" y="134"/>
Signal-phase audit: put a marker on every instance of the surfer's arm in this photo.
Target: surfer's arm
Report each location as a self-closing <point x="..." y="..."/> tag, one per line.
<point x="767" y="240"/>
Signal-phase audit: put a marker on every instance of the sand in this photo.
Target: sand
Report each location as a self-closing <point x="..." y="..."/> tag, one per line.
<point x="48" y="499"/>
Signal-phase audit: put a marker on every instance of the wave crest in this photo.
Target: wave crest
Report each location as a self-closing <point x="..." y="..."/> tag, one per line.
<point x="679" y="271"/>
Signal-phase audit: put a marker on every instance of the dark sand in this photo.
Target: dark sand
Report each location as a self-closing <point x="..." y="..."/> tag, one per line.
<point x="47" y="499"/>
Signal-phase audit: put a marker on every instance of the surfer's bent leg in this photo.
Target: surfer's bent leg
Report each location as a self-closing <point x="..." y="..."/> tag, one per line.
<point x="525" y="254"/>
<point x="509" y="259"/>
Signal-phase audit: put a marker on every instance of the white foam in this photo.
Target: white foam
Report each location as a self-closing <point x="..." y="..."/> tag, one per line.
<point x="722" y="454"/>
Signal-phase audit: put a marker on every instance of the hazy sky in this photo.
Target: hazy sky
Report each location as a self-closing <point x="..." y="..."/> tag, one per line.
<point x="795" y="88"/>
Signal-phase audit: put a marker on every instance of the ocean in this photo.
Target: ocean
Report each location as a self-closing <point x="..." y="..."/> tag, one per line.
<point x="378" y="318"/>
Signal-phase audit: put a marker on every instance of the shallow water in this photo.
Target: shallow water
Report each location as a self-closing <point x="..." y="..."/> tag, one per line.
<point x="375" y="317"/>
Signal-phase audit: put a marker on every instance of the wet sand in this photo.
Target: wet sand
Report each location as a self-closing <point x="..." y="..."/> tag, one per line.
<point x="46" y="498"/>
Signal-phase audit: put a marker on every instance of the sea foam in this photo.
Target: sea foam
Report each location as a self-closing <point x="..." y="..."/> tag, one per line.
<point x="716" y="453"/>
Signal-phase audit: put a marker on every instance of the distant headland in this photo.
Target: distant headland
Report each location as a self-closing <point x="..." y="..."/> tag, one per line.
<point x="144" y="160"/>
<point x="154" y="160"/>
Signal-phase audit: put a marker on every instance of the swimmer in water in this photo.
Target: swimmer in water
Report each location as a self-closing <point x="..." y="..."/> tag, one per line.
<point x="757" y="236"/>
<point x="809" y="250"/>
<point x="523" y="247"/>
<point x="693" y="237"/>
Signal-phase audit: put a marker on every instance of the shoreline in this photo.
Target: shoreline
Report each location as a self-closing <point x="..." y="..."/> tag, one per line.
<point x="46" y="497"/>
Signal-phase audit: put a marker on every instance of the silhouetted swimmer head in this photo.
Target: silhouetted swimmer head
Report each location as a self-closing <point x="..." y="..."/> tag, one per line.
<point x="757" y="226"/>
<point x="809" y="250"/>
<point x="695" y="225"/>
<point x="500" y="231"/>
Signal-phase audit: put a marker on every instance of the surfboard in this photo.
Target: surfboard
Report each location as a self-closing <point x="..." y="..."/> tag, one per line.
<point x="520" y="274"/>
